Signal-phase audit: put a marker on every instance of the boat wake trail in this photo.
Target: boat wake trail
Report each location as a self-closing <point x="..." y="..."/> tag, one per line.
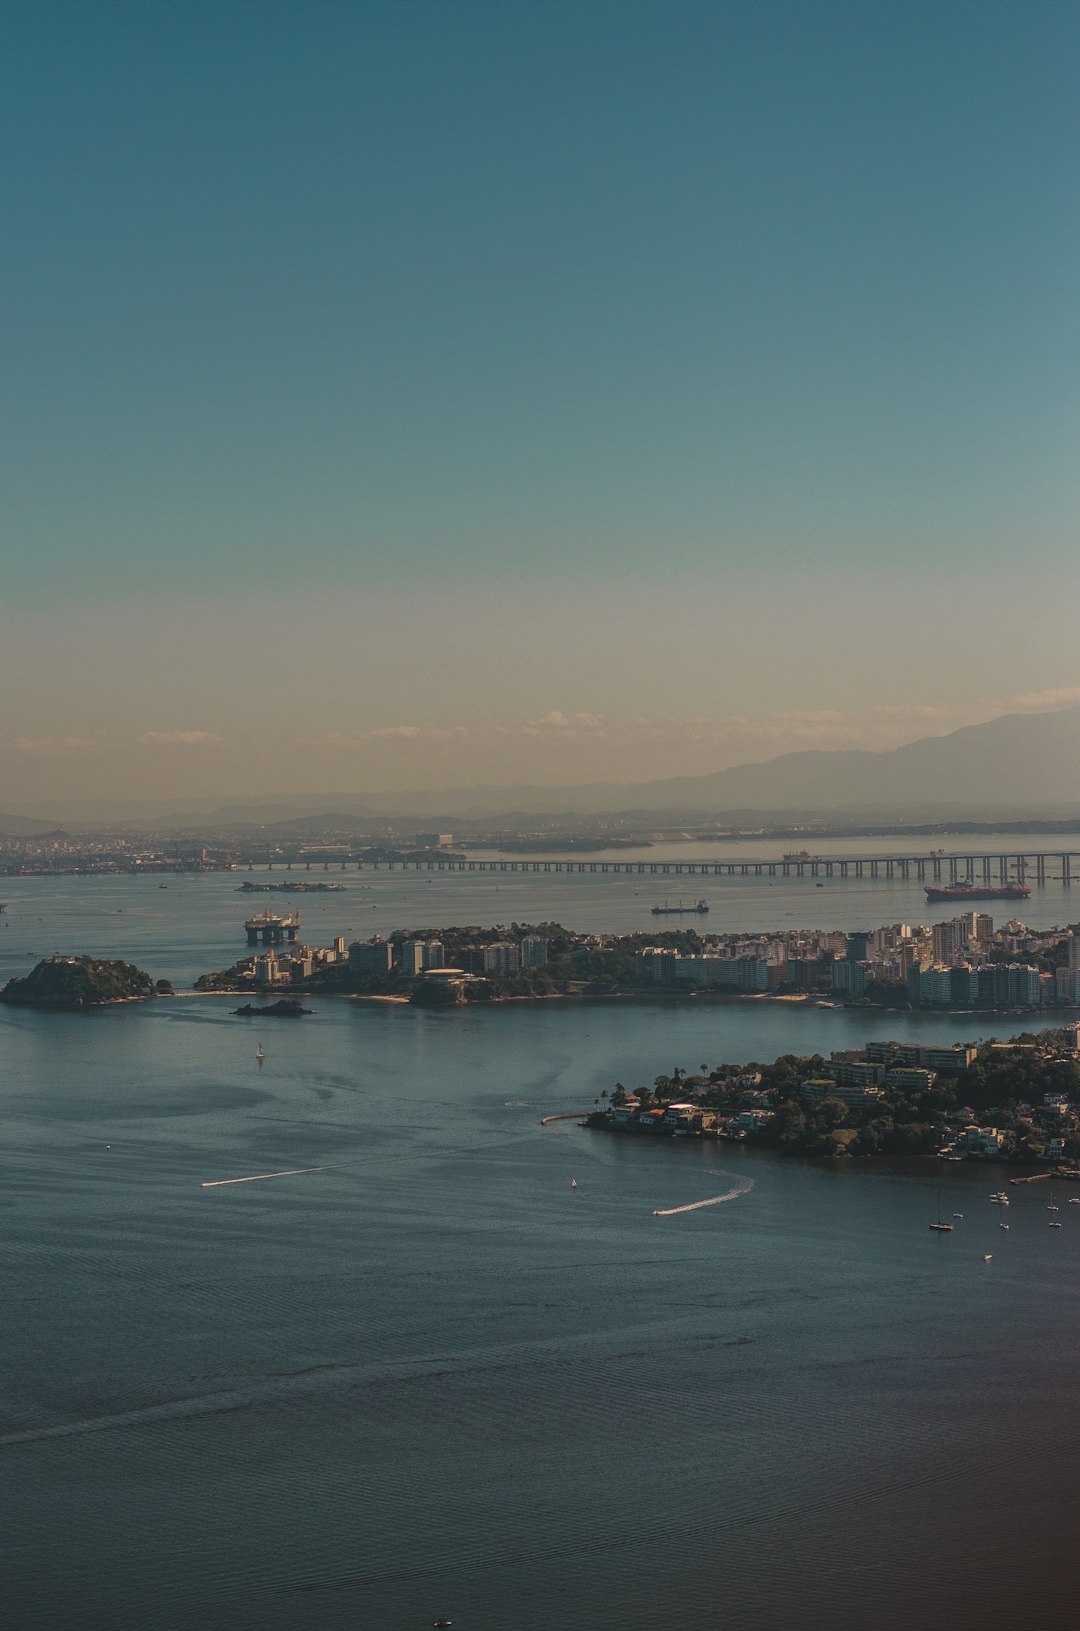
<point x="714" y="1200"/>
<point x="257" y="1177"/>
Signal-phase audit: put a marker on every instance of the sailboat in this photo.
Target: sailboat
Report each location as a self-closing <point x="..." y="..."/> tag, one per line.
<point x="943" y="1228"/>
<point x="259" y="1054"/>
<point x="573" y="1183"/>
<point x="1054" y="1224"/>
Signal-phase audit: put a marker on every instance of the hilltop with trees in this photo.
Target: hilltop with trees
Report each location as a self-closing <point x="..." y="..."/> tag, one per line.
<point x="78" y="982"/>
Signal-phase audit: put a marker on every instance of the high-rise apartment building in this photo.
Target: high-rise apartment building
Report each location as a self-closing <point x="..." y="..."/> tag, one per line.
<point x="417" y="955"/>
<point x="375" y="956"/>
<point x="501" y="957"/>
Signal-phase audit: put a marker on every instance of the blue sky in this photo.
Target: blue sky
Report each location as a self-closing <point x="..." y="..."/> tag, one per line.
<point x="692" y="311"/>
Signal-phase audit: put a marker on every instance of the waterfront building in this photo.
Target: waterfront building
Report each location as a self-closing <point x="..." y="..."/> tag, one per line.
<point x="807" y="973"/>
<point x="749" y="1121"/>
<point x="368" y="957"/>
<point x="986" y="985"/>
<point x="501" y="957"/>
<point x="983" y="1140"/>
<point x="848" y="1092"/>
<point x="417" y="956"/>
<point x="534" y="951"/>
<point x="848" y="977"/>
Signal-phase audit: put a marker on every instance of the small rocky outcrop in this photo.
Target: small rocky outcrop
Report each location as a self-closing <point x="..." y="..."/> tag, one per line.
<point x="287" y="1008"/>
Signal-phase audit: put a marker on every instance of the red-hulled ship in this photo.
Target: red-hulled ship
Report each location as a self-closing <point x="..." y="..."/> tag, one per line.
<point x="978" y="891"/>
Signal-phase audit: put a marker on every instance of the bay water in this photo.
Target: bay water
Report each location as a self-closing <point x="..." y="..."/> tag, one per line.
<point x="430" y="1378"/>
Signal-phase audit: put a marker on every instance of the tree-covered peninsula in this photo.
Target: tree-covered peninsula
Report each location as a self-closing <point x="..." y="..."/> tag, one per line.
<point x="78" y="982"/>
<point x="1004" y="1101"/>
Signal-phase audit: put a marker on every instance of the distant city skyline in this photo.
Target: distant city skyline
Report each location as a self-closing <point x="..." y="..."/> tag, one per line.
<point x="414" y="396"/>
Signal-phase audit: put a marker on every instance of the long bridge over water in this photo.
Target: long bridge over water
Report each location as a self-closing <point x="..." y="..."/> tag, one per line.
<point x="1025" y="866"/>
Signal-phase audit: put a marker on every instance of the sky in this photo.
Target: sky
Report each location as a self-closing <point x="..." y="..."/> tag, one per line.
<point x="432" y="393"/>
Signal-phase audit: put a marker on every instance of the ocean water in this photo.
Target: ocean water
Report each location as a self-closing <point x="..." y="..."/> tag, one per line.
<point x="429" y="1378"/>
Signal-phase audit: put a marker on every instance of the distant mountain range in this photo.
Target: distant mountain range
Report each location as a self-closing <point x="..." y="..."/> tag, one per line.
<point x="1010" y="767"/>
<point x="13" y="826"/>
<point x="1016" y="764"/>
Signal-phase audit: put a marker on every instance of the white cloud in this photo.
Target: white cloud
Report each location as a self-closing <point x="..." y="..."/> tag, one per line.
<point x="918" y="710"/>
<point x="567" y="727"/>
<point x="183" y="739"/>
<point x="1048" y="699"/>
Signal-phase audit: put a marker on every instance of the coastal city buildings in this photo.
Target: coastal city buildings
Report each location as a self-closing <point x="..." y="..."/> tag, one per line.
<point x="960" y="963"/>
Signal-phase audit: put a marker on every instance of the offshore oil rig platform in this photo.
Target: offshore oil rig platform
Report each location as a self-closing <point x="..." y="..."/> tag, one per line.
<point x="272" y="928"/>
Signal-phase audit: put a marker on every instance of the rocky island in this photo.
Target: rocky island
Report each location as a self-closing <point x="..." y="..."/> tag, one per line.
<point x="78" y="982"/>
<point x="286" y="1008"/>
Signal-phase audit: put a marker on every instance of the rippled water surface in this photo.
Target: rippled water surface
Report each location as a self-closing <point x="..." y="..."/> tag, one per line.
<point x="434" y="1380"/>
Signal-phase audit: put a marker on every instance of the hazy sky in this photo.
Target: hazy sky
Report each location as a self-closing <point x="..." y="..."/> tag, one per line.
<point x="411" y="394"/>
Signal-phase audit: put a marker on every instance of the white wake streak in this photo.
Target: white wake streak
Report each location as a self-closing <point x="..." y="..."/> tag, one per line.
<point x="257" y="1177"/>
<point x="713" y="1200"/>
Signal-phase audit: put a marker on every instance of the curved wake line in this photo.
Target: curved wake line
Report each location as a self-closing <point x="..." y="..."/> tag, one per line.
<point x="713" y="1200"/>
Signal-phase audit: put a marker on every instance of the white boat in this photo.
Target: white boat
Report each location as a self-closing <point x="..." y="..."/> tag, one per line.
<point x="259" y="1054"/>
<point x="1003" y="1225"/>
<point x="573" y="1183"/>
<point x="987" y="1258"/>
<point x="1052" y="1207"/>
<point x="1054" y="1224"/>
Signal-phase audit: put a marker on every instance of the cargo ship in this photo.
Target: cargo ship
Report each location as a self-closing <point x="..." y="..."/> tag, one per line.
<point x="978" y="891"/>
<point x="669" y="911"/>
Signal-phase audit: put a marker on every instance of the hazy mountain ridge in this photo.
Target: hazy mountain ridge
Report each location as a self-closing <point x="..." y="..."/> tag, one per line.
<point x="14" y="826"/>
<point x="1015" y="765"/>
<point x="1017" y="762"/>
